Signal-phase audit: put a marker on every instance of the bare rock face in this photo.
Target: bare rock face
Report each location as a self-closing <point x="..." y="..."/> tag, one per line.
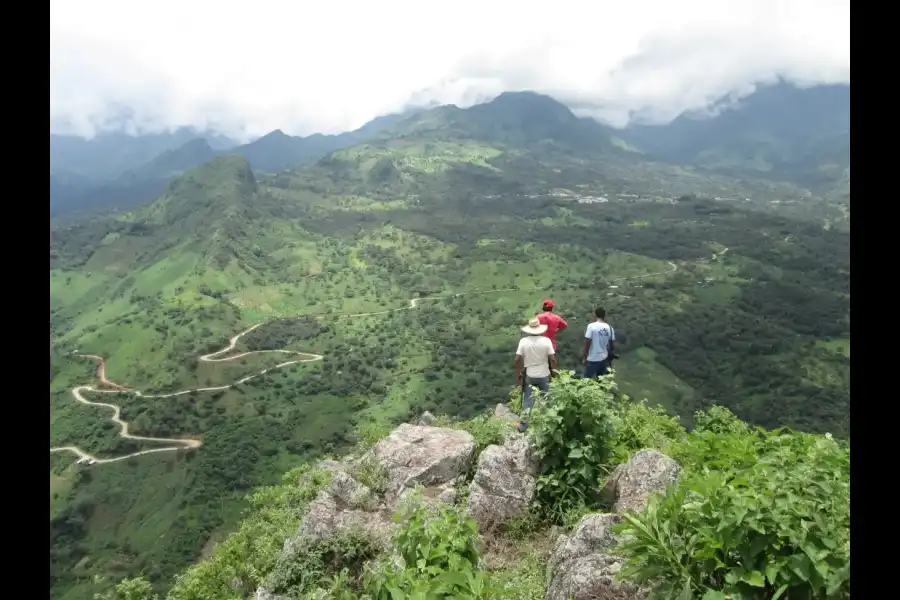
<point x="418" y="454"/>
<point x="445" y="493"/>
<point x="426" y="419"/>
<point x="630" y="485"/>
<point x="583" y="566"/>
<point x="504" y="481"/>
<point x="344" y="504"/>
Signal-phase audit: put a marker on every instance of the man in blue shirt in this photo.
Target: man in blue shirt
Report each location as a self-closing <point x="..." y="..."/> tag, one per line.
<point x="599" y="340"/>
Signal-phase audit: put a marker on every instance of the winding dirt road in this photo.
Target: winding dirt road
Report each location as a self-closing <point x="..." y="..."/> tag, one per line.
<point x="175" y="444"/>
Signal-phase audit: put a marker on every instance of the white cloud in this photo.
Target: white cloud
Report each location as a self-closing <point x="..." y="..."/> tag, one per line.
<point x="249" y="67"/>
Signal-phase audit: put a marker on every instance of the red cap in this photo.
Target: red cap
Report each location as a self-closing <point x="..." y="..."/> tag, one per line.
<point x="548" y="303"/>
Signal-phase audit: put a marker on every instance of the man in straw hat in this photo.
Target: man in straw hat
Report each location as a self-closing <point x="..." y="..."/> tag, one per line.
<point x="536" y="354"/>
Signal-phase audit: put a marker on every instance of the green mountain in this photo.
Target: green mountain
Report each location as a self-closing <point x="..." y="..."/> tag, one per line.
<point x="171" y="162"/>
<point x="781" y="131"/>
<point x="135" y="179"/>
<point x="715" y="300"/>
<point x="277" y="151"/>
<point x="513" y="119"/>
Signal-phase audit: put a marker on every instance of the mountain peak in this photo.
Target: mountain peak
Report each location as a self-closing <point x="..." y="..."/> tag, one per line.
<point x="214" y="189"/>
<point x="277" y="134"/>
<point x="514" y="119"/>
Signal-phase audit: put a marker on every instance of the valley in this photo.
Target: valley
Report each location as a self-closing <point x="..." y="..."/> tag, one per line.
<point x="190" y="444"/>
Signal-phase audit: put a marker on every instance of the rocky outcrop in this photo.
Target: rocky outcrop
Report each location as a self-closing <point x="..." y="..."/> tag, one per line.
<point x="504" y="481"/>
<point x="584" y="565"/>
<point x="418" y="454"/>
<point x="630" y="485"/>
<point x="344" y="504"/>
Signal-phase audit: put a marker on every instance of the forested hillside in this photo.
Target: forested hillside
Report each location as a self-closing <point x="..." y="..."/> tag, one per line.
<point x="407" y="264"/>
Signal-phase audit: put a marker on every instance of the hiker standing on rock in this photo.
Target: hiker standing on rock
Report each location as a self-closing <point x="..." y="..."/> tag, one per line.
<point x="599" y="348"/>
<point x="553" y="321"/>
<point x="536" y="354"/>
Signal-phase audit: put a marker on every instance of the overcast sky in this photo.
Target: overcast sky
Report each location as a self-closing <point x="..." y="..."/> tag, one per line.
<point x="248" y="67"/>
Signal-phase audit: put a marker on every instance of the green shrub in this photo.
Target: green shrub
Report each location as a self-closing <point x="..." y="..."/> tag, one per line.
<point x="371" y="473"/>
<point x="484" y="428"/>
<point x="779" y="527"/>
<point x="127" y="589"/>
<point x="573" y="435"/>
<point x="438" y="554"/>
<point x="336" y="561"/>
<point x="718" y="419"/>
<point x="244" y="558"/>
<point x="637" y="426"/>
<point x="369" y="433"/>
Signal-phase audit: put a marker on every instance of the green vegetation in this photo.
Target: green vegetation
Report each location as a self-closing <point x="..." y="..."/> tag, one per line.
<point x="725" y="301"/>
<point x="755" y="514"/>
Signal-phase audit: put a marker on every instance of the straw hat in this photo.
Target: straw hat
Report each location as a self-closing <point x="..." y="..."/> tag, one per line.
<point x="534" y="327"/>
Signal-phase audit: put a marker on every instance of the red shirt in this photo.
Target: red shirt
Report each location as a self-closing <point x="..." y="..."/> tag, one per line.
<point x="554" y="323"/>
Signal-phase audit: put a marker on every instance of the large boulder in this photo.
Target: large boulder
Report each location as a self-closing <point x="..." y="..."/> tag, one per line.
<point x="630" y="485"/>
<point x="421" y="455"/>
<point x="504" y="481"/>
<point x="344" y="503"/>
<point x="583" y="566"/>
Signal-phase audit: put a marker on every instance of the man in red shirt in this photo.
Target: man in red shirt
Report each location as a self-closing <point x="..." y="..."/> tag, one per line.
<point x="553" y="321"/>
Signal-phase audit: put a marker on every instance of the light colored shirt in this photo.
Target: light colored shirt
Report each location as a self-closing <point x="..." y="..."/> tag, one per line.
<point x="600" y="333"/>
<point x="536" y="351"/>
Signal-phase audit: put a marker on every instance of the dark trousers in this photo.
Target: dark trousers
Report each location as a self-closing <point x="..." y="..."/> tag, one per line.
<point x="541" y="383"/>
<point x="593" y="370"/>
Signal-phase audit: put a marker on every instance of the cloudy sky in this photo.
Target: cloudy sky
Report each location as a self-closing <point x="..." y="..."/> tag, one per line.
<point x="246" y="68"/>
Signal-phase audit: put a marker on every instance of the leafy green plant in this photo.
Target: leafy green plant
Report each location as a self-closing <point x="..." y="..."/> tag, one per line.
<point x="437" y="548"/>
<point x="371" y="473"/>
<point x="369" y="433"/>
<point x="336" y="560"/>
<point x="779" y="527"/>
<point x="639" y="426"/>
<point x="245" y="558"/>
<point x="484" y="428"/>
<point x="573" y="435"/>
<point x="137" y="588"/>
<point x="718" y="419"/>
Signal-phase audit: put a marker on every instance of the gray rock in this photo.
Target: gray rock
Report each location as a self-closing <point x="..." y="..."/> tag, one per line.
<point x="504" y="481"/>
<point x="350" y="492"/>
<point x="583" y="566"/>
<point x="444" y="493"/>
<point x="630" y="485"/>
<point x="426" y="419"/>
<point x="263" y="594"/>
<point x="502" y="412"/>
<point x="591" y="535"/>
<point x="344" y="504"/>
<point x="430" y="456"/>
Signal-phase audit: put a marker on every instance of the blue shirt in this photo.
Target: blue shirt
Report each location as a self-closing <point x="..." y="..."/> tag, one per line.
<point x="600" y="333"/>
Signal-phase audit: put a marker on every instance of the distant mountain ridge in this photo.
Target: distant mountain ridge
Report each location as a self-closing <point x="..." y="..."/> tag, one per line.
<point x="785" y="132"/>
<point x="780" y="132"/>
